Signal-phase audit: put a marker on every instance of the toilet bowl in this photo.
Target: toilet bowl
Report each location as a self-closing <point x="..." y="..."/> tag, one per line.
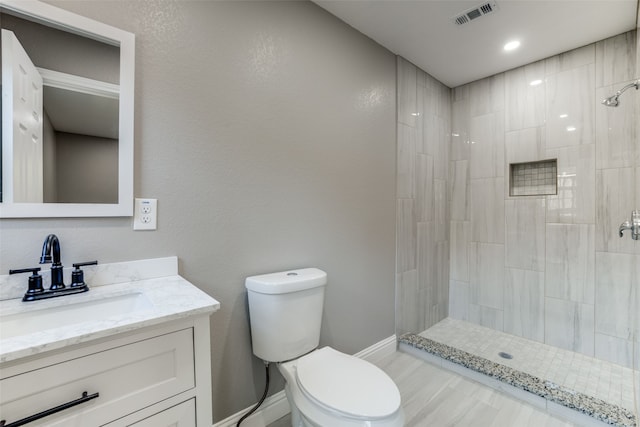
<point x="327" y="388"/>
<point x="324" y="387"/>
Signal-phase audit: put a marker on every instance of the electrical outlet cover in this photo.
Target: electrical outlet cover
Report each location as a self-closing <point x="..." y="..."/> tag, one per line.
<point x="145" y="216"/>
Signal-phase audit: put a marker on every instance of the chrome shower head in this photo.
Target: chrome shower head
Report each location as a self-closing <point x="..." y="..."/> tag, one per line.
<point x="613" y="101"/>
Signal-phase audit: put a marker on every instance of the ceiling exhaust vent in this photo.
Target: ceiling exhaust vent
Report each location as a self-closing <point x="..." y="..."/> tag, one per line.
<point x="476" y="12"/>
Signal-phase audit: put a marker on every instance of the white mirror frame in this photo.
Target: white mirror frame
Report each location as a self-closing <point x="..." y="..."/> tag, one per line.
<point x="67" y="21"/>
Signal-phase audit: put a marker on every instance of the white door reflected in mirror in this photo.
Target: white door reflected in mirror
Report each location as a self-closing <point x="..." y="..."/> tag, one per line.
<point x="22" y="86"/>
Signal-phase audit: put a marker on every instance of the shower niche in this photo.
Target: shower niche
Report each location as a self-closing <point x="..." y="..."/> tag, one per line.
<point x="537" y="178"/>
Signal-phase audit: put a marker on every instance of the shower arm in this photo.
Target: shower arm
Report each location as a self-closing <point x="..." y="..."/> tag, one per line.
<point x="613" y="101"/>
<point x="635" y="84"/>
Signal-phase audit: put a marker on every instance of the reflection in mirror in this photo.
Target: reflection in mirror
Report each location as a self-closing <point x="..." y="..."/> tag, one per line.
<point x="67" y="104"/>
<point x="78" y="121"/>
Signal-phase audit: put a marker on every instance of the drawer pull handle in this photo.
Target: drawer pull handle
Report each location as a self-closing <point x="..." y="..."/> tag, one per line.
<point x="85" y="398"/>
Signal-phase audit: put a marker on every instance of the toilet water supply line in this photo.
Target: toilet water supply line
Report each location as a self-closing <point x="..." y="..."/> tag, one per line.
<point x="264" y="395"/>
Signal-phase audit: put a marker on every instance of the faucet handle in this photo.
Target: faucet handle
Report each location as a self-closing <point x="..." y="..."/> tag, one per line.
<point x="77" y="275"/>
<point x="624" y="226"/>
<point x="82" y="264"/>
<point x="633" y="225"/>
<point x="35" y="280"/>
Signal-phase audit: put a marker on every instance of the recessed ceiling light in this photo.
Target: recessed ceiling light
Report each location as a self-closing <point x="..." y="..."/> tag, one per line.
<point x="415" y="114"/>
<point x="512" y="45"/>
<point x="571" y="128"/>
<point x="536" y="82"/>
<point x="564" y="116"/>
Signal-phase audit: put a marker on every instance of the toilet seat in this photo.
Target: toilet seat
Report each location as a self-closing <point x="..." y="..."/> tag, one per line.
<point x="347" y="384"/>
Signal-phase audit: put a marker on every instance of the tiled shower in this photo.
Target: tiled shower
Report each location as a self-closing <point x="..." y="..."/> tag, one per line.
<point x="547" y="267"/>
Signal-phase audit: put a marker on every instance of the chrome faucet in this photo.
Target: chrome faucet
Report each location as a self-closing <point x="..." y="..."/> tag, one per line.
<point x="633" y="225"/>
<point x="51" y="253"/>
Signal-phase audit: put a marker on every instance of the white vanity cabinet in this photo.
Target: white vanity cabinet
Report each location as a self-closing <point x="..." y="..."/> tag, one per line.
<point x="154" y="376"/>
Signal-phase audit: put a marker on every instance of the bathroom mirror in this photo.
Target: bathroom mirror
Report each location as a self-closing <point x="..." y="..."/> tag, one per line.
<point x="67" y="114"/>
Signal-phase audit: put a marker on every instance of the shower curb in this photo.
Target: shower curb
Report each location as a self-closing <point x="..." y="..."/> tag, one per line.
<point x="552" y="393"/>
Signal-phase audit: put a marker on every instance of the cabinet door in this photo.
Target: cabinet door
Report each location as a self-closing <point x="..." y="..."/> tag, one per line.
<point x="182" y="415"/>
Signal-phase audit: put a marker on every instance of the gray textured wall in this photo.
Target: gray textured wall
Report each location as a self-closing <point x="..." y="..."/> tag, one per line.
<point x="267" y="132"/>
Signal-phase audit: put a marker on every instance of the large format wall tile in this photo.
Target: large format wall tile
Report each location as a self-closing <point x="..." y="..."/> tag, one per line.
<point x="614" y="202"/>
<point x="572" y="59"/>
<point x="407" y="92"/>
<point x="617" y="134"/>
<point x="459" y="257"/>
<point x="569" y="325"/>
<point x="408" y="318"/>
<point x="442" y="281"/>
<point x="424" y="118"/>
<point x="424" y="187"/>
<point x="618" y="295"/>
<point x="638" y="198"/>
<point x="487" y="210"/>
<point x="406" y="233"/>
<point x="460" y="123"/>
<point x="487" y="146"/>
<point x="616" y="59"/>
<point x="570" y="107"/>
<point x="459" y="300"/>
<point x="616" y="350"/>
<point x="406" y="159"/>
<point x="527" y="145"/>
<point x="570" y="262"/>
<point x="525" y="97"/>
<point x="487" y="95"/>
<point x="427" y="257"/>
<point x="575" y="201"/>
<point x="524" y="303"/>
<point x="486" y="316"/>
<point x="441" y="207"/>
<point x="638" y="43"/>
<point x="486" y="275"/>
<point x="525" y="233"/>
<point x="440" y="149"/>
<point x="459" y="190"/>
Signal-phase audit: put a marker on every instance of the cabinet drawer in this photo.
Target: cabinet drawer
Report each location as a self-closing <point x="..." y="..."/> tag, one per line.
<point x="182" y="415"/>
<point x="127" y="378"/>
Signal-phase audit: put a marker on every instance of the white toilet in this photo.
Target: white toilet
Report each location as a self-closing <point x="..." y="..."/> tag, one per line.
<point x="325" y="388"/>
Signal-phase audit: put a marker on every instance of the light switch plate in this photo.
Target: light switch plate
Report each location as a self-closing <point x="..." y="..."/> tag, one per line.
<point x="145" y="216"/>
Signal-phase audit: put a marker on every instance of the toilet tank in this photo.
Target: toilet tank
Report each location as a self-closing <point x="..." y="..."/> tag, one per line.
<point x="285" y="312"/>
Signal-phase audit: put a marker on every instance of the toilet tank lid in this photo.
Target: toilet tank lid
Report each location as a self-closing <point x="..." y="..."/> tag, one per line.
<point x="286" y="281"/>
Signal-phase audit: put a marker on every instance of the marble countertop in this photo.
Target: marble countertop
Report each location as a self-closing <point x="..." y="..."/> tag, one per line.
<point x="165" y="299"/>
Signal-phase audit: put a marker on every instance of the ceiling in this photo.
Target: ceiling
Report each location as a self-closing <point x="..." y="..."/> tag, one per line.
<point x="425" y="32"/>
<point x="73" y="111"/>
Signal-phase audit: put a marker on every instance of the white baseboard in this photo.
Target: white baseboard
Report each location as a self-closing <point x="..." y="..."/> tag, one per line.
<point x="277" y="406"/>
<point x="379" y="350"/>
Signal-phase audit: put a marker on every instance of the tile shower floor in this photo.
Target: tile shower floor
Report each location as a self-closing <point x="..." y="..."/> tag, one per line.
<point x="597" y="378"/>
